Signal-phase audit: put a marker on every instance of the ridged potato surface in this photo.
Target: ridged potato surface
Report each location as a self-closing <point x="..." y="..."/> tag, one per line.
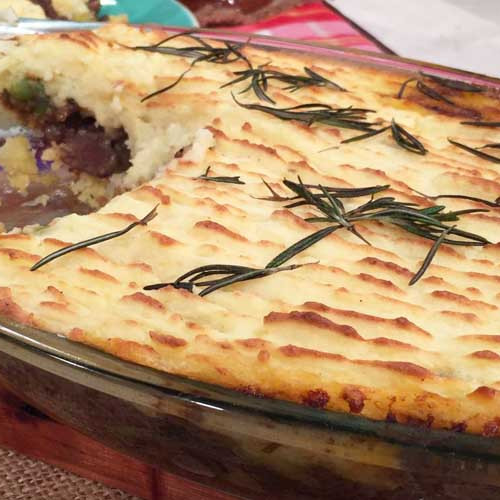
<point x="343" y="333"/>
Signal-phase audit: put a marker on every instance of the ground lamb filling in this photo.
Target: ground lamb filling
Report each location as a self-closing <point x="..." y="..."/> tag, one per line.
<point x="48" y="8"/>
<point x="85" y="146"/>
<point x="85" y="155"/>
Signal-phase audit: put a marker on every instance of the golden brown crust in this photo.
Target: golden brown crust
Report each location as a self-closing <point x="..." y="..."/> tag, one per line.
<point x="10" y="309"/>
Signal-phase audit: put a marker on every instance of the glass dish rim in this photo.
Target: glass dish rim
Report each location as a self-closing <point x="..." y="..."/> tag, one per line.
<point x="89" y="358"/>
<point x="356" y="55"/>
<point x="81" y="357"/>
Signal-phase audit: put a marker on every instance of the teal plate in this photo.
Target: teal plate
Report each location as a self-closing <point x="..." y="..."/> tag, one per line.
<point x="168" y="12"/>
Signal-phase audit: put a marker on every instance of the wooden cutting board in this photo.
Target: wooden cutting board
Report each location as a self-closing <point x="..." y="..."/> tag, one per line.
<point x="27" y="431"/>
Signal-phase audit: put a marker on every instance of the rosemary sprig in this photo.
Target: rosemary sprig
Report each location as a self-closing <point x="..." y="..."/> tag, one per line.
<point x="202" y="51"/>
<point x="423" y="89"/>
<point x="167" y="88"/>
<point x="352" y="118"/>
<point x="475" y="151"/>
<point x="402" y="137"/>
<point x="319" y="81"/>
<point x="327" y="192"/>
<point x="406" y="140"/>
<point x="482" y="124"/>
<point x="404" y="85"/>
<point x="494" y="204"/>
<point x="453" y="84"/>
<point x="213" y="178"/>
<point x="258" y="83"/>
<point x="338" y="192"/>
<point x="260" y="77"/>
<point x="372" y="133"/>
<point x="222" y="276"/>
<point x="433" y="94"/>
<point x="429" y="223"/>
<point x="94" y="241"/>
<point x="430" y="256"/>
<point x="443" y="82"/>
<point x="302" y="245"/>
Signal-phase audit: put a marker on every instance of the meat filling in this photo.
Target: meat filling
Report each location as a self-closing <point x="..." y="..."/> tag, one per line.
<point x="50" y="11"/>
<point x="87" y="147"/>
<point x="48" y="8"/>
<point x="94" y="6"/>
<point x="84" y="145"/>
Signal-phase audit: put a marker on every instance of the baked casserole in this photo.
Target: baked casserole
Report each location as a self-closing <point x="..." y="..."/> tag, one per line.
<point x="323" y="233"/>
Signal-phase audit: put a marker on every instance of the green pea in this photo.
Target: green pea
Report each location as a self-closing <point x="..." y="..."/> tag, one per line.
<point x="30" y="91"/>
<point x="26" y="89"/>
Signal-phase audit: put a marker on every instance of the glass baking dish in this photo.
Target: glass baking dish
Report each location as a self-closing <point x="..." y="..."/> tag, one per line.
<point x="236" y="442"/>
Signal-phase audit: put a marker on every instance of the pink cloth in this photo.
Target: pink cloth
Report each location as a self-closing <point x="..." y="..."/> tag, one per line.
<point x="312" y="21"/>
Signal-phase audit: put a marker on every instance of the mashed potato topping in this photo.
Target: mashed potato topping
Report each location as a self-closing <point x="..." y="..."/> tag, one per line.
<point x="343" y="333"/>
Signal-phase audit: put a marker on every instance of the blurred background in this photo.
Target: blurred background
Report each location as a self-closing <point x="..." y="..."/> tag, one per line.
<point x="461" y="33"/>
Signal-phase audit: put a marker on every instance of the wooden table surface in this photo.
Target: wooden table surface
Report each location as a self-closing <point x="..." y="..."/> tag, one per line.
<point x="27" y="431"/>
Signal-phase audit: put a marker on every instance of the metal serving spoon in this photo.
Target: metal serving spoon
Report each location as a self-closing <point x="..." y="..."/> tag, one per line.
<point x="26" y="26"/>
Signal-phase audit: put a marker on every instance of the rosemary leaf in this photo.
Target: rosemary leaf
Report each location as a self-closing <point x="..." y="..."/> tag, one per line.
<point x="338" y="192"/>
<point x="251" y="275"/>
<point x="203" y="51"/>
<point x="475" y="151"/>
<point x="427" y="222"/>
<point x="432" y="210"/>
<point x="482" y="124"/>
<point x="228" y="275"/>
<point x="167" y="88"/>
<point x="365" y="136"/>
<point x="354" y="231"/>
<point x="94" y="241"/>
<point x="406" y="140"/>
<point x="454" y="216"/>
<point x="404" y="85"/>
<point x="259" y="79"/>
<point x="454" y="84"/>
<point x="226" y="180"/>
<point x="337" y="208"/>
<point x="188" y="280"/>
<point x="352" y="118"/>
<point x="180" y="285"/>
<point x="300" y="246"/>
<point x="213" y="269"/>
<point x="430" y="256"/>
<point x="274" y="195"/>
<point x="353" y="192"/>
<point x="444" y="82"/>
<point x="185" y="34"/>
<point x="495" y="203"/>
<point x="402" y="137"/>
<point x="433" y="94"/>
<point x="322" y="81"/>
<point x="318" y="219"/>
<point x="431" y="235"/>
